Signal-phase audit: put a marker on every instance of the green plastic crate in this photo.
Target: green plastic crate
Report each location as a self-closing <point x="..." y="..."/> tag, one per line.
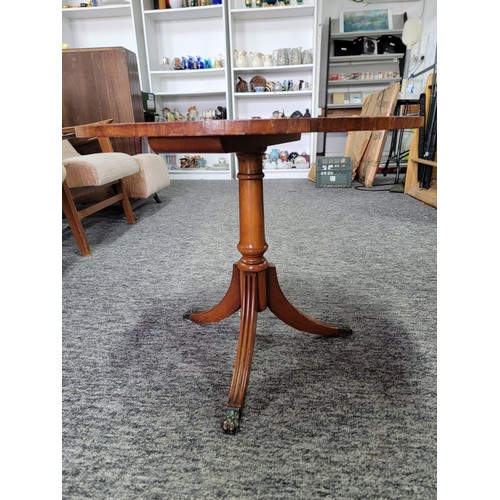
<point x="333" y="171"/>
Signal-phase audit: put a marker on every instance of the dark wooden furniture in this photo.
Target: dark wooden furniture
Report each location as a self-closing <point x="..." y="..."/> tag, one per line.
<point x="254" y="285"/>
<point x="101" y="83"/>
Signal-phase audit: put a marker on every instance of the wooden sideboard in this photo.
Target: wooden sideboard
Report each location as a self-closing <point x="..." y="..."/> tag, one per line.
<point x="101" y="83"/>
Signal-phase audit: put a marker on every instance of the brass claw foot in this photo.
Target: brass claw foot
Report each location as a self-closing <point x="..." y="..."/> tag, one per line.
<point x="231" y="423"/>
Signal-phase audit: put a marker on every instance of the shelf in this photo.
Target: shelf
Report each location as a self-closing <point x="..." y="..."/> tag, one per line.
<point x="187" y="73"/>
<point x="253" y="13"/>
<point x="371" y="34"/>
<point x="366" y="81"/>
<point x="263" y="95"/>
<point x="184" y="13"/>
<point x="365" y="58"/>
<point x="200" y="93"/>
<point x="95" y="12"/>
<point x="343" y="106"/>
<point x="296" y="68"/>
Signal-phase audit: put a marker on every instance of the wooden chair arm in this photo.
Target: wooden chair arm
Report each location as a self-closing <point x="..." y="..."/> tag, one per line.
<point x="69" y="132"/>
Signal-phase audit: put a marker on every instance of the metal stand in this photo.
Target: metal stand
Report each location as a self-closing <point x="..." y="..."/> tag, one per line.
<point x="402" y="109"/>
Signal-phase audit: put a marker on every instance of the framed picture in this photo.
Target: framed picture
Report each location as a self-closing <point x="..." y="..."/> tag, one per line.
<point x="365" y="20"/>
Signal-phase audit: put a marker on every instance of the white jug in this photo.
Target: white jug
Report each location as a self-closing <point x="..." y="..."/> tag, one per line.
<point x="256" y="58"/>
<point x="240" y="59"/>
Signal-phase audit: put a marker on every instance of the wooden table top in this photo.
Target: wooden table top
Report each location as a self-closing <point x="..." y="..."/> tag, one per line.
<point x="227" y="136"/>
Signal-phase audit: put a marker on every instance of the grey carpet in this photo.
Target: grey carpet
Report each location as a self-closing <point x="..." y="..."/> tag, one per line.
<point x="144" y="390"/>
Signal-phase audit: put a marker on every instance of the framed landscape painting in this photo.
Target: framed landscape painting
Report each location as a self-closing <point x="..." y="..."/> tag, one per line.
<point x="365" y="20"/>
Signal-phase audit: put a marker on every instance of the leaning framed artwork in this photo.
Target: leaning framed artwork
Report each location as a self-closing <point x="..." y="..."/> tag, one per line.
<point x="365" y="20"/>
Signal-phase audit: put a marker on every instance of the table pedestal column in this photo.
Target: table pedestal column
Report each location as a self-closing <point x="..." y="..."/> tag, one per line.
<point x="254" y="287"/>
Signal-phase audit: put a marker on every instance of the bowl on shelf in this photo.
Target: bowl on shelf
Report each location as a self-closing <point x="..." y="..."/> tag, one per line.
<point x="259" y="89"/>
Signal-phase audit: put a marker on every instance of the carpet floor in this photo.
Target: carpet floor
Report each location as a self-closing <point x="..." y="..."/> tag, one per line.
<point x="144" y="390"/>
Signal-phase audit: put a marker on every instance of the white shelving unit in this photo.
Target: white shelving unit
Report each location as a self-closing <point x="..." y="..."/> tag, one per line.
<point x="265" y="30"/>
<point x="358" y="76"/>
<point x="183" y="33"/>
<point x="365" y="64"/>
<point x="111" y="25"/>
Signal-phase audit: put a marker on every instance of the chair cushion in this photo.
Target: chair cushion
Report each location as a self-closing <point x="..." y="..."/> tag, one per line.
<point x="98" y="169"/>
<point x="68" y="150"/>
<point x="152" y="176"/>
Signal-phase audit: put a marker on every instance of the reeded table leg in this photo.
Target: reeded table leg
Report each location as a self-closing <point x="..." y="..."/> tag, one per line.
<point x="244" y="353"/>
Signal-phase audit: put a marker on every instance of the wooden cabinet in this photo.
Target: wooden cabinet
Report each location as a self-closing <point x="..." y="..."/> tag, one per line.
<point x="109" y="25"/>
<point x="101" y="83"/>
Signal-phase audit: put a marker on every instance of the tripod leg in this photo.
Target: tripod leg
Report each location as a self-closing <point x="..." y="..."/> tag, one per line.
<point x="289" y="314"/>
<point x="227" y="306"/>
<point x="244" y="353"/>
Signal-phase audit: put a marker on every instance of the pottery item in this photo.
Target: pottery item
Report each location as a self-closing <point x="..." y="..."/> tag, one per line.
<point x="307" y="114"/>
<point x="276" y="114"/>
<point x="269" y="86"/>
<point x="284" y="156"/>
<point x="270" y="3"/>
<point x="292" y="156"/>
<point x="248" y="3"/>
<point x="278" y="87"/>
<point x="221" y="113"/>
<point x="257" y="59"/>
<point x="307" y="57"/>
<point x="192" y="114"/>
<point x="242" y="85"/>
<point x="175" y="4"/>
<point x="281" y="57"/>
<point x="274" y="155"/>
<point x="259" y="89"/>
<point x="296" y="114"/>
<point x="257" y="81"/>
<point x="296" y="56"/>
<point x="268" y="60"/>
<point x="177" y="63"/>
<point x="240" y="58"/>
<point x="218" y="62"/>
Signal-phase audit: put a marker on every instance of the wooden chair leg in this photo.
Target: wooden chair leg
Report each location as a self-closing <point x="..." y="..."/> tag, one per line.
<point x="127" y="207"/>
<point x="71" y="214"/>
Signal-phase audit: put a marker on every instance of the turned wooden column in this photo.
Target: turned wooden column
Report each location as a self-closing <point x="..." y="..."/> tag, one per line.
<point x="252" y="244"/>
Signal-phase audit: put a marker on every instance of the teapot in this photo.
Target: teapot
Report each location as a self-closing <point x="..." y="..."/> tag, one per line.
<point x="240" y="58"/>
<point x="256" y="58"/>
